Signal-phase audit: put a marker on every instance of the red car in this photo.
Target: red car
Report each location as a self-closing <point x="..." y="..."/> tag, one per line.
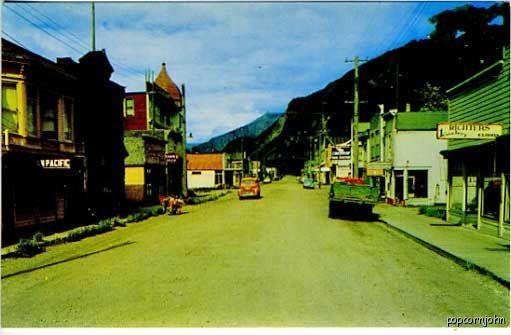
<point x="249" y="187"/>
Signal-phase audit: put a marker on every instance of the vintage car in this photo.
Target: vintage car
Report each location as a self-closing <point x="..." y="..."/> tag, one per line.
<point x="249" y="187"/>
<point x="309" y="183"/>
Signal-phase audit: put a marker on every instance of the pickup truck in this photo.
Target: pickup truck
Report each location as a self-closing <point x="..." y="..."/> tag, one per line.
<point x="352" y="194"/>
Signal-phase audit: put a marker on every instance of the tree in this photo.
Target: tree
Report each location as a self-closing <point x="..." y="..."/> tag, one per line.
<point x="432" y="97"/>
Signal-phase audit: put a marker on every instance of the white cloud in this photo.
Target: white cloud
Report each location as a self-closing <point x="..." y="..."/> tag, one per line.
<point x="238" y="60"/>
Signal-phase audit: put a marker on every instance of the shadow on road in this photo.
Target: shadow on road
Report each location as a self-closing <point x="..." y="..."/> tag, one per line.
<point x="68" y="259"/>
<point x="356" y="216"/>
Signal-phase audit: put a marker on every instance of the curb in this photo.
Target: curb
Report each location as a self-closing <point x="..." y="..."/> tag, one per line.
<point x="468" y="265"/>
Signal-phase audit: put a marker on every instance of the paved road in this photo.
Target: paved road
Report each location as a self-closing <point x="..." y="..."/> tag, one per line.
<point x="277" y="261"/>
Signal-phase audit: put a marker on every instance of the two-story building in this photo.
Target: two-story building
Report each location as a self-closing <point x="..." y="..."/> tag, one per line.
<point x="477" y="134"/>
<point x="403" y="157"/>
<point x="42" y="147"/>
<point x="160" y="109"/>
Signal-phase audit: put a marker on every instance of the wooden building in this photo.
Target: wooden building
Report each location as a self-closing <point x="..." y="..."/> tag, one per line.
<point x="478" y="164"/>
<point x="161" y="109"/>
<point x="145" y="177"/>
<point x="206" y="171"/>
<point x="42" y="148"/>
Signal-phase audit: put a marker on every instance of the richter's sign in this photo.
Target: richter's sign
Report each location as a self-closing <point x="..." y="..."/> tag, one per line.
<point x="55" y="163"/>
<point x="468" y="131"/>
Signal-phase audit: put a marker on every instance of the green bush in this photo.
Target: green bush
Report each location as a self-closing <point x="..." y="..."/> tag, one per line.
<point x="436" y="212"/>
<point x="29" y="248"/>
<point x="101" y="227"/>
<point x="38" y="237"/>
<point x="118" y="222"/>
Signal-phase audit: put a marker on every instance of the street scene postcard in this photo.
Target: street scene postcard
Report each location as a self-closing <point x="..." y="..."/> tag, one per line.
<point x="255" y="164"/>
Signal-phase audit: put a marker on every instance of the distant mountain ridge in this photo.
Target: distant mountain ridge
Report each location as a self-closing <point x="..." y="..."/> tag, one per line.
<point x="416" y="74"/>
<point x="250" y="130"/>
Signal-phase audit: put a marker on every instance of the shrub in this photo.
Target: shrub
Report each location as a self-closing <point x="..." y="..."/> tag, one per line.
<point x="436" y="212"/>
<point x="118" y="222"/>
<point x="28" y="248"/>
<point x="38" y="237"/>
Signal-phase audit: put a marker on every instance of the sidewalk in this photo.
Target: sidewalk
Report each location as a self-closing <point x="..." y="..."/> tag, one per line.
<point x="467" y="247"/>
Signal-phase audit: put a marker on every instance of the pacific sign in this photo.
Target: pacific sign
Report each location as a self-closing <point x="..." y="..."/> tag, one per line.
<point x="55" y="163"/>
<point x="468" y="131"/>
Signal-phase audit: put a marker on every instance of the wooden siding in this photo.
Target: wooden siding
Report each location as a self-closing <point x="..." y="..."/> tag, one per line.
<point x="139" y="120"/>
<point x="487" y="102"/>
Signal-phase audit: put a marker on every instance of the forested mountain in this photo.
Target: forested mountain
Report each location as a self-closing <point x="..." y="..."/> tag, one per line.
<point x="248" y="131"/>
<point x="464" y="41"/>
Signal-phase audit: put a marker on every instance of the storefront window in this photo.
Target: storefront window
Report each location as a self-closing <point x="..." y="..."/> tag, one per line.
<point x="491" y="197"/>
<point x="49" y="115"/>
<point x="68" y="119"/>
<point x="32" y="111"/>
<point x="456" y="193"/>
<point x="9" y="107"/>
<point x="471" y="194"/>
<point x="418" y="183"/>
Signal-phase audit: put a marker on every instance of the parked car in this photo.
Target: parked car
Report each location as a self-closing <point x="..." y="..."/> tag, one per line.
<point x="309" y="183"/>
<point x="249" y="187"/>
<point x="267" y="180"/>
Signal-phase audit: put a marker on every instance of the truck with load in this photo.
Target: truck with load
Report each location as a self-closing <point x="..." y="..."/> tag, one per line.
<point x="352" y="194"/>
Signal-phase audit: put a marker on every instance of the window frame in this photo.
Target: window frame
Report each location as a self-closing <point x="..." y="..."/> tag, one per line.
<point x="70" y="121"/>
<point x="46" y="97"/>
<point x="127" y="108"/>
<point x="15" y="112"/>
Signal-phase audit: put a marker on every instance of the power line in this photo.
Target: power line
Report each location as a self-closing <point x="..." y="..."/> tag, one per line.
<point x="42" y="29"/>
<point x="12" y="38"/>
<point x="60" y="30"/>
<point x="121" y="68"/>
<point x="61" y="37"/>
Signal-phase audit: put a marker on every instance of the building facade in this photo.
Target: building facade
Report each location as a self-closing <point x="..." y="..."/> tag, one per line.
<point x="161" y="109"/>
<point x="145" y="175"/>
<point x="43" y="156"/>
<point x="100" y="117"/>
<point x="403" y="157"/>
<point x="478" y="167"/>
<point x="206" y="171"/>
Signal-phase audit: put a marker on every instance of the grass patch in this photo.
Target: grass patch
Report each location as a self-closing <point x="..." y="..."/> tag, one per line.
<point x="433" y="211"/>
<point x="37" y="245"/>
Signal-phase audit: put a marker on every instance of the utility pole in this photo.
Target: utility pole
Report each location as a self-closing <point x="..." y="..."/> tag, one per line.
<point x="184" y="181"/>
<point x="356" y="102"/>
<point x="93" y="27"/>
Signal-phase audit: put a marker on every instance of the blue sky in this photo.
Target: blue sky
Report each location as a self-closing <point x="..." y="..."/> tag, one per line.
<point x="237" y="60"/>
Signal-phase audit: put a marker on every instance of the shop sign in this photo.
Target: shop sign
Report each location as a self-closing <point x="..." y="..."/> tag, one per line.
<point x="468" y="131"/>
<point x="375" y="172"/>
<point x="340" y="152"/>
<point x="64" y="163"/>
<point x="171" y="157"/>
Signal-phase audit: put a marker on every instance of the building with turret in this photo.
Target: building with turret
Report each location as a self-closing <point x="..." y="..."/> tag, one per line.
<point x="156" y="115"/>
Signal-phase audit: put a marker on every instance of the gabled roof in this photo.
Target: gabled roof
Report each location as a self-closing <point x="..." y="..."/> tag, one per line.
<point x="419" y="120"/>
<point x="163" y="80"/>
<point x="205" y="161"/>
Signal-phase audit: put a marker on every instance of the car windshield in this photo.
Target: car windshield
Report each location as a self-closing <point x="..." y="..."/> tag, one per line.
<point x="248" y="181"/>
